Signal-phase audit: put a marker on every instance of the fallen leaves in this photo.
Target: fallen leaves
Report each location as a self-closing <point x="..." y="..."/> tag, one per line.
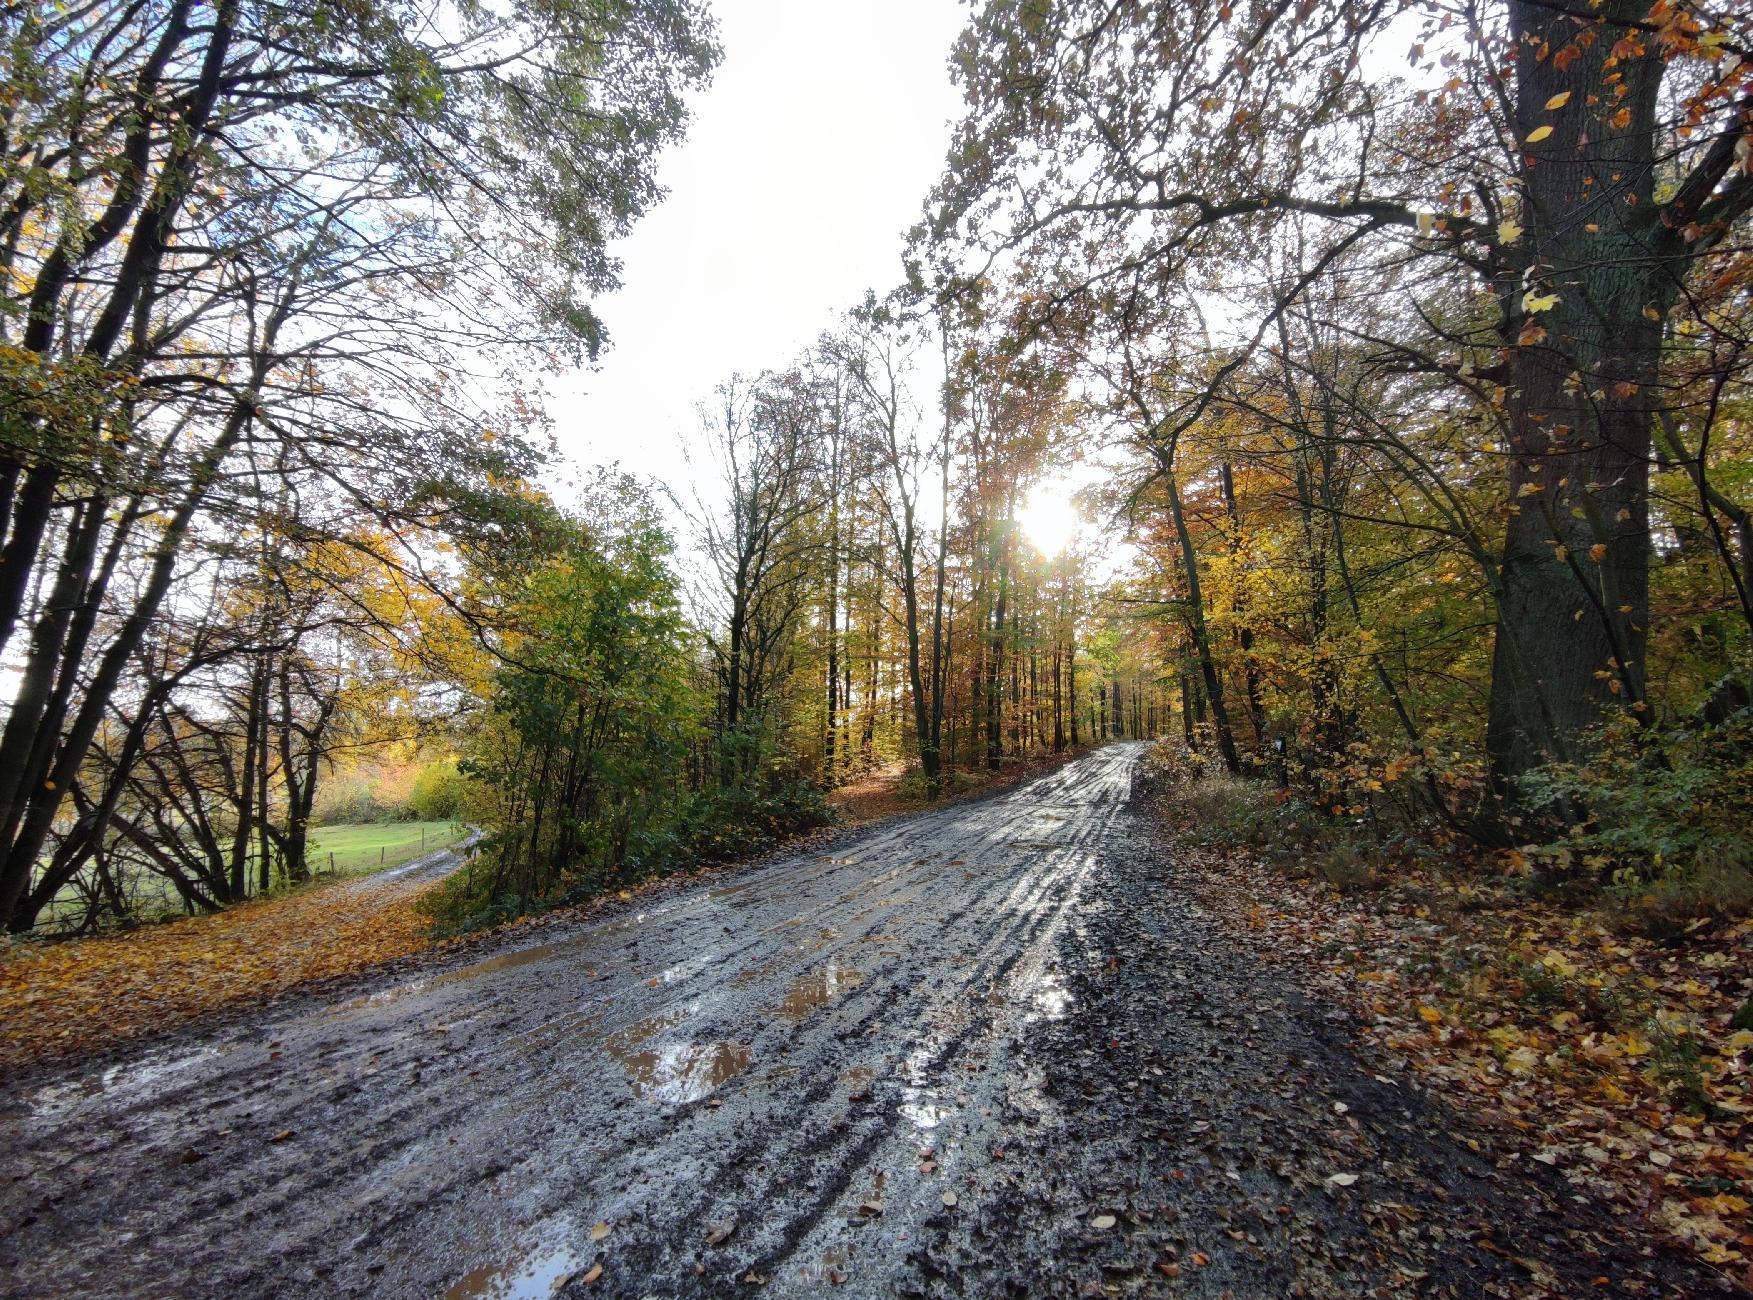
<point x="1608" y="1058"/>
<point x="69" y="996"/>
<point x="719" y="1233"/>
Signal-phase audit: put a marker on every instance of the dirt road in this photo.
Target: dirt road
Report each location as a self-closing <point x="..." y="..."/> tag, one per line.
<point x="986" y="1050"/>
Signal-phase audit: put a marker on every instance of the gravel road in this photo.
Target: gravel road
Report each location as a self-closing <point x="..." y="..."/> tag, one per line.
<point x="984" y="1050"/>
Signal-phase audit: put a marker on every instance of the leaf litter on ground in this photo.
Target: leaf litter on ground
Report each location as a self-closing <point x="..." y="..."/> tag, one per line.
<point x="1608" y="1057"/>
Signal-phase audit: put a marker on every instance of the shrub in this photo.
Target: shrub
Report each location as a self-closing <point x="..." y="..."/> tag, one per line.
<point x="1664" y="815"/>
<point x="438" y="792"/>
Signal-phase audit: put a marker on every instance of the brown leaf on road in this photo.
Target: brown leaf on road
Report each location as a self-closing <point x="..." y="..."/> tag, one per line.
<point x="718" y="1233"/>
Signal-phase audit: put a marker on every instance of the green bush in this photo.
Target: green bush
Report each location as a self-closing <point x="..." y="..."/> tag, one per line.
<point x="1662" y="815"/>
<point x="714" y="826"/>
<point x="439" y="792"/>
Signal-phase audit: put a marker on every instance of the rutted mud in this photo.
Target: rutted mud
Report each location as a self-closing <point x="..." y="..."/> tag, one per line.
<point x="871" y="1069"/>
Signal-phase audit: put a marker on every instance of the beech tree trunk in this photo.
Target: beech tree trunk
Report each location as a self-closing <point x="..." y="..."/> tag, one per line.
<point x="1574" y="579"/>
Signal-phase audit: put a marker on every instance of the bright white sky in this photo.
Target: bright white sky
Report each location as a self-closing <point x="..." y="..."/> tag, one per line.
<point x="808" y="158"/>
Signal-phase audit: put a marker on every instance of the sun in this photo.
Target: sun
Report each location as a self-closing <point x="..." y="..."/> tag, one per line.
<point x="1049" y="518"/>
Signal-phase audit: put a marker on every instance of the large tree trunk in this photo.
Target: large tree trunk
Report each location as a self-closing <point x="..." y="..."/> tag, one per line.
<point x="1575" y="568"/>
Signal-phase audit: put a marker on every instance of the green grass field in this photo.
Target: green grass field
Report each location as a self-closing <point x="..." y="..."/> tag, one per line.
<point x="363" y="847"/>
<point x="360" y="848"/>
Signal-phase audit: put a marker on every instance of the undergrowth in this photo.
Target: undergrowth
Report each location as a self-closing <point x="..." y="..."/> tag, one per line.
<point x="719" y="826"/>
<point x="1650" y="865"/>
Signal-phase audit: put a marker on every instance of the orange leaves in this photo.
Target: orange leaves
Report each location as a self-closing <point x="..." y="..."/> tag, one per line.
<point x="74" y="995"/>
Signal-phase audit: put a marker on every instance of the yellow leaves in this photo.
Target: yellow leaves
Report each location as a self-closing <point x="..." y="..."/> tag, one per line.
<point x="1508" y="232"/>
<point x="1430" y="1015"/>
<point x="1538" y="134"/>
<point x="1426" y="224"/>
<point x="1558" y="964"/>
<point x="1558" y="101"/>
<point x="1524" y="1060"/>
<point x="1635" y="1045"/>
<point x="1620" y="120"/>
<point x="1533" y="301"/>
<point x="1528" y="490"/>
<point x="1504" y="1036"/>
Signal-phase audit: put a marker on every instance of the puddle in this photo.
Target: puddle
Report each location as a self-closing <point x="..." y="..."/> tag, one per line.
<point x="533" y="1273"/>
<point x="724" y="891"/>
<point x="920" y="1104"/>
<point x="674" y="1074"/>
<point x="817" y="989"/>
<point x="504" y="961"/>
<point x="923" y="1111"/>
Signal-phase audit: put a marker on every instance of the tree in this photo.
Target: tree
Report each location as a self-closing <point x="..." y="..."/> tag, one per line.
<point x="762" y="544"/>
<point x="243" y="243"/>
<point x="1576" y="175"/>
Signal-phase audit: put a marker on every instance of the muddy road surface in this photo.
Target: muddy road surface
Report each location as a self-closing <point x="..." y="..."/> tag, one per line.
<point x="985" y="1050"/>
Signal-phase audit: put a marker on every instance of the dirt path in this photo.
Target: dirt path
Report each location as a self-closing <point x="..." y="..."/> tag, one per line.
<point x="981" y="1051"/>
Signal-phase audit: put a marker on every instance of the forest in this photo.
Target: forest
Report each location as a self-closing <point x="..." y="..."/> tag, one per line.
<point x="1347" y="404"/>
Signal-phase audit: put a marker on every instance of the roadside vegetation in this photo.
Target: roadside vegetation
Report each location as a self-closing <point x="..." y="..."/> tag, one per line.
<point x="1603" y="1029"/>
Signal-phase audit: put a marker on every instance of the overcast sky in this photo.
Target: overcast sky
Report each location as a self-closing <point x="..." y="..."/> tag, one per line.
<point x="805" y="162"/>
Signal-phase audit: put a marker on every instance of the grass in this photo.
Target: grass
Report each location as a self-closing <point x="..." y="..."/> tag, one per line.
<point x="359" y="848"/>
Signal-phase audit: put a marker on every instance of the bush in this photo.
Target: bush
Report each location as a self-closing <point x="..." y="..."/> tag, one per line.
<point x="439" y="792"/>
<point x="1663" y="815"/>
<point x="732" y="823"/>
<point x="714" y="826"/>
<point x="348" y="797"/>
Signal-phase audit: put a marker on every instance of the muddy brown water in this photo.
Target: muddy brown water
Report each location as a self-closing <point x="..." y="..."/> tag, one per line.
<point x="769" y="1081"/>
